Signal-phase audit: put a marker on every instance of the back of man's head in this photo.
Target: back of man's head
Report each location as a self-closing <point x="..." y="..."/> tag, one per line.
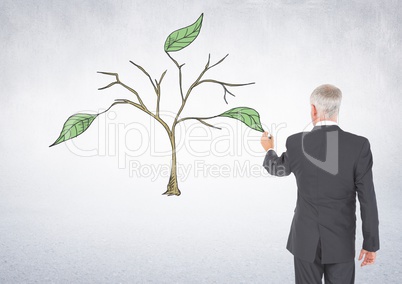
<point x="327" y="100"/>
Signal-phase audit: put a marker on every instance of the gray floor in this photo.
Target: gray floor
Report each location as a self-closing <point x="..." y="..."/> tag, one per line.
<point x="116" y="234"/>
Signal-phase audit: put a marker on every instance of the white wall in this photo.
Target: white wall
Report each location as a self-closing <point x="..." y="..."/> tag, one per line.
<point x="74" y="216"/>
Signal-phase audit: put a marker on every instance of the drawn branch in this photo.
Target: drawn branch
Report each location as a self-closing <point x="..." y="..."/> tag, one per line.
<point x="200" y="119"/>
<point x="113" y="104"/>
<point x="207" y="124"/>
<point x="207" y="67"/>
<point x="180" y="74"/>
<point x="220" y="61"/>
<point x="147" y="74"/>
<point x="224" y="86"/>
<point x="162" y="76"/>
<point x="248" y="116"/>
<point x="125" y="101"/>
<point x="157" y="118"/>
<point x="158" y="85"/>
<point x="199" y="81"/>
<point x="184" y="99"/>
<point x="123" y="85"/>
<point x="141" y="105"/>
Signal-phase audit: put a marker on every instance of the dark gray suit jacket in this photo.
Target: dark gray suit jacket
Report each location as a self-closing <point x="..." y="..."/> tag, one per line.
<point x="330" y="166"/>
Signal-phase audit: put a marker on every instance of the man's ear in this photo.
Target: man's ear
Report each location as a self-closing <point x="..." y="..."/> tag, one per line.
<point x="313" y="110"/>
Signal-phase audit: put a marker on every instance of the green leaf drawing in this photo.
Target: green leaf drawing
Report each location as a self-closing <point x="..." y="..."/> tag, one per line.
<point x="74" y="126"/>
<point x="248" y="116"/>
<point x="183" y="37"/>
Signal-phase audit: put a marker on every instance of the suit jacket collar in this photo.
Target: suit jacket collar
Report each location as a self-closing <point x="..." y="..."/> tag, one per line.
<point x="326" y="122"/>
<point x="326" y="127"/>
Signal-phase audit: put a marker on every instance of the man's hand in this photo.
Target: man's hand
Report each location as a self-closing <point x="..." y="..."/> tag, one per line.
<point x="369" y="257"/>
<point x="267" y="142"/>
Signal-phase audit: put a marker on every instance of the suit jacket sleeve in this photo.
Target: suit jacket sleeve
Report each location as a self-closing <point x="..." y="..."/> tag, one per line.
<point x="278" y="166"/>
<point x="367" y="198"/>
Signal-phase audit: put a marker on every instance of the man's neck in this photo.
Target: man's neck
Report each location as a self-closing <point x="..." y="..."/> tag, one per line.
<point x="328" y="121"/>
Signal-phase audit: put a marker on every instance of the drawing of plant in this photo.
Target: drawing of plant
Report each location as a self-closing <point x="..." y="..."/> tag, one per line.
<point x="177" y="40"/>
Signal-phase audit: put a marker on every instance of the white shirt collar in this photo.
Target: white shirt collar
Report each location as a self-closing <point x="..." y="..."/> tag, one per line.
<point x="326" y="122"/>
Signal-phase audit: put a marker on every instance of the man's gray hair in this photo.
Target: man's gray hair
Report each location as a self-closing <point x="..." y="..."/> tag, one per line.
<point x="327" y="100"/>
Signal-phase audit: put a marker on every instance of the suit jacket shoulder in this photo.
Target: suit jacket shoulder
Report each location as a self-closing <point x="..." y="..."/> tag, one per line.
<point x="356" y="137"/>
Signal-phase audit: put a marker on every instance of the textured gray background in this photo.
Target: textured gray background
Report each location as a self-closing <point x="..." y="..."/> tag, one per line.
<point x="68" y="218"/>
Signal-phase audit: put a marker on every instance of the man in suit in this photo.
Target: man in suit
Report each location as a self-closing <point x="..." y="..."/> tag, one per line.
<point x="331" y="166"/>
